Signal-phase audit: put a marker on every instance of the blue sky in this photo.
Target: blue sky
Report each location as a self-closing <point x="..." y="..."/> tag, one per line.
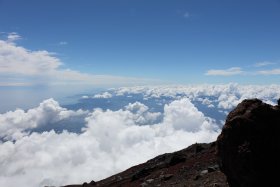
<point x="161" y="41"/>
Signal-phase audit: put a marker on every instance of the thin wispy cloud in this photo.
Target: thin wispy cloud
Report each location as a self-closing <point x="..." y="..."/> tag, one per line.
<point x="186" y="15"/>
<point x="11" y="37"/>
<point x="262" y="64"/>
<point x="224" y="72"/>
<point x="63" y="43"/>
<point x="269" y="72"/>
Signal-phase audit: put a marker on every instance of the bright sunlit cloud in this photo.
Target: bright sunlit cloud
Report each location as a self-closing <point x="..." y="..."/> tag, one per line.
<point x="110" y="142"/>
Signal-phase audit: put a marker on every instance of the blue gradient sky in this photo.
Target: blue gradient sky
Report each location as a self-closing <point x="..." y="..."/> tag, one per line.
<point x="174" y="41"/>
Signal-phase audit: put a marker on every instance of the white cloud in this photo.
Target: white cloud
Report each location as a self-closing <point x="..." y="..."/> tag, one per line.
<point x="141" y="114"/>
<point x="42" y="67"/>
<point x="18" y="60"/>
<point x="181" y="111"/>
<point x="225" y="72"/>
<point x="262" y="64"/>
<point x="228" y="101"/>
<point x="110" y="142"/>
<point x="12" y="37"/>
<point x="269" y="72"/>
<point x="104" y="95"/>
<point x="206" y="101"/>
<point x="225" y="95"/>
<point x="15" y="125"/>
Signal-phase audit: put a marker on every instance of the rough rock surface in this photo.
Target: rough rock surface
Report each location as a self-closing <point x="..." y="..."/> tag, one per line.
<point x="249" y="145"/>
<point x="195" y="166"/>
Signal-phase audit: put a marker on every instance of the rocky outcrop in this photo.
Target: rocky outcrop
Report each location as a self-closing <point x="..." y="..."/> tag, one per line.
<point x="249" y="145"/>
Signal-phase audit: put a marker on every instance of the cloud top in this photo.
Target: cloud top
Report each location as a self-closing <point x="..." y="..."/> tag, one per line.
<point x="110" y="142"/>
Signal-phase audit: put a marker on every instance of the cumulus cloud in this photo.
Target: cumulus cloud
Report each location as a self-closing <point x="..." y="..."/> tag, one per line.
<point x="16" y="124"/>
<point x="179" y="111"/>
<point x="15" y="59"/>
<point x="141" y="114"/>
<point x="110" y="142"/>
<point x="42" y="67"/>
<point x="225" y="72"/>
<point x="104" y="95"/>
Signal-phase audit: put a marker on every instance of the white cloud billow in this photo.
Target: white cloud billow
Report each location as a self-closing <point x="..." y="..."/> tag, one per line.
<point x="110" y="142"/>
<point x="15" y="59"/>
<point x="181" y="111"/>
<point x="104" y="95"/>
<point x="14" y="125"/>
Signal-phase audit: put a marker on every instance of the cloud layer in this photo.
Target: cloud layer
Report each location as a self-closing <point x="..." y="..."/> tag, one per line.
<point x="224" y="96"/>
<point x="110" y="142"/>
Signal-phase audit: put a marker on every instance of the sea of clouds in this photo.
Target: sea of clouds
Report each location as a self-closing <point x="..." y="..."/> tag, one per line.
<point x="110" y="141"/>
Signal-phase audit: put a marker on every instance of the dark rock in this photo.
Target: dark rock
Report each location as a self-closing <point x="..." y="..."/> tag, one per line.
<point x="198" y="148"/>
<point x="167" y="176"/>
<point x="141" y="173"/>
<point x="196" y="177"/>
<point x="93" y="183"/>
<point x="248" y="148"/>
<point x="176" y="158"/>
<point x="212" y="168"/>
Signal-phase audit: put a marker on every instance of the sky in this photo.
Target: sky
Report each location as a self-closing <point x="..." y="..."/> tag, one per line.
<point x="111" y="43"/>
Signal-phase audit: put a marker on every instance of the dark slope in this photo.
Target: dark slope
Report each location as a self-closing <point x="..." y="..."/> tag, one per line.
<point x="194" y="166"/>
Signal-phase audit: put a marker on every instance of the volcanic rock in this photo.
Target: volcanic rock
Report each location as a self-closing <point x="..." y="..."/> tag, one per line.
<point x="249" y="145"/>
